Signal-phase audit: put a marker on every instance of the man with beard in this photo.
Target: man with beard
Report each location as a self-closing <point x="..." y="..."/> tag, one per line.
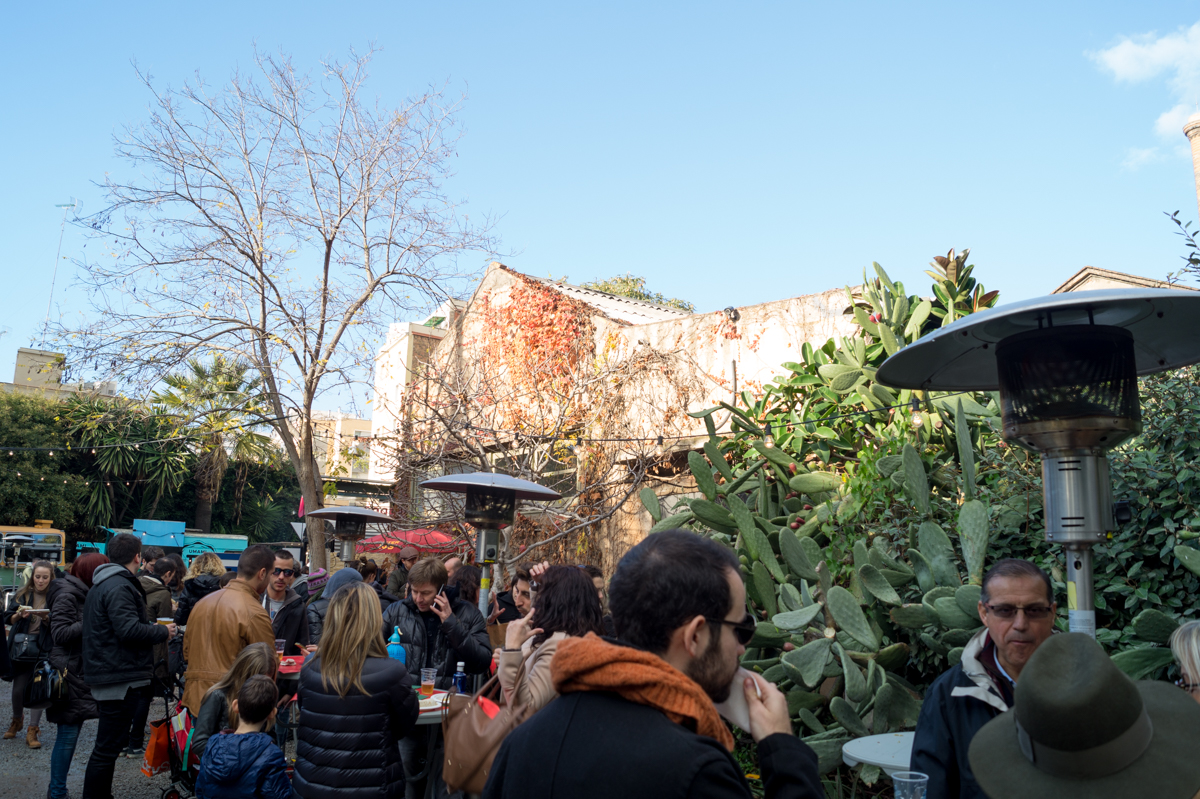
<point x="635" y="717"/>
<point x="1017" y="609"/>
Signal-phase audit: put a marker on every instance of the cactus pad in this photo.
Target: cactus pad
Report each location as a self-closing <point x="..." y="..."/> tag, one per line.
<point x="850" y="617"/>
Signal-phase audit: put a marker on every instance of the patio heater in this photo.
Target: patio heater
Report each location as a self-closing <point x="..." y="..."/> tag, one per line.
<point x="491" y="504"/>
<point x="1066" y="367"/>
<point x="349" y="525"/>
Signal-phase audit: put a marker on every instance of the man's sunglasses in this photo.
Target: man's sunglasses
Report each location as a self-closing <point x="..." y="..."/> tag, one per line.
<point x="744" y="629"/>
<point x="285" y="572"/>
<point x="1033" y="612"/>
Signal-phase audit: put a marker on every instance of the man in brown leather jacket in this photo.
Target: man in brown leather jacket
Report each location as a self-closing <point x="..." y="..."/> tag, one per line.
<point x="224" y="623"/>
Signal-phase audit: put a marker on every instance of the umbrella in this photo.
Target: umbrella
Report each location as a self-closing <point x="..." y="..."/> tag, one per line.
<point x="422" y="539"/>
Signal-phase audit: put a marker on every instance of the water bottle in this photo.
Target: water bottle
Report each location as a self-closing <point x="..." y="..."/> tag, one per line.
<point x="395" y="648"/>
<point x="460" y="678"/>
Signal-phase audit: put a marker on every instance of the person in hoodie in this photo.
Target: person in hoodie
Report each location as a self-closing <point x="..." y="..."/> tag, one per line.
<point x="320" y="606"/>
<point x="245" y="763"/>
<point x="66" y="597"/>
<point x="203" y="577"/>
<point x="156" y="579"/>
<point x="118" y="643"/>
<point x="289" y="621"/>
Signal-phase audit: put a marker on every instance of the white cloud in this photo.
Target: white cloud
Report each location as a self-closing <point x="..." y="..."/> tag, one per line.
<point x="1175" y="56"/>
<point x="1138" y="157"/>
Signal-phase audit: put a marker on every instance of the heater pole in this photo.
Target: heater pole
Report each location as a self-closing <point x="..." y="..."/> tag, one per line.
<point x="1081" y="601"/>
<point x="485" y="589"/>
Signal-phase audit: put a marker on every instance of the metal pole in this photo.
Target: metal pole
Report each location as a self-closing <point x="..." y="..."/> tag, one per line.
<point x="485" y="586"/>
<point x="1081" y="600"/>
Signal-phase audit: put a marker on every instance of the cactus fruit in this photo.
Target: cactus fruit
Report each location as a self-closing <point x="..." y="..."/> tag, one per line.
<point x="849" y="616"/>
<point x="973" y="533"/>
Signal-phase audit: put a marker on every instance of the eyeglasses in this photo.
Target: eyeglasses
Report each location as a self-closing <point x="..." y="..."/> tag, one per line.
<point x="1032" y="612"/>
<point x="744" y="629"/>
<point x="1187" y="686"/>
<point x="285" y="572"/>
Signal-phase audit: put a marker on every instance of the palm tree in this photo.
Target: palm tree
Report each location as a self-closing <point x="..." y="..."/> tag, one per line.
<point x="218" y="400"/>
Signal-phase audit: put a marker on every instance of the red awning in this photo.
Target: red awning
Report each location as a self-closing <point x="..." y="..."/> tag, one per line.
<point x="427" y="542"/>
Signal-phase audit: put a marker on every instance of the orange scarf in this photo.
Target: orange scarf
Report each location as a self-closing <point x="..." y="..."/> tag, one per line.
<point x="591" y="664"/>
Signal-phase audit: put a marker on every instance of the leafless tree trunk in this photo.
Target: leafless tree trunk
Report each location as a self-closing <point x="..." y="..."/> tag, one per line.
<point x="281" y="221"/>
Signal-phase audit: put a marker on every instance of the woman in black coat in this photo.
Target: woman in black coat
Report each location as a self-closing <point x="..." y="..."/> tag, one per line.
<point x="356" y="704"/>
<point x="203" y="577"/>
<point x="66" y="597"/>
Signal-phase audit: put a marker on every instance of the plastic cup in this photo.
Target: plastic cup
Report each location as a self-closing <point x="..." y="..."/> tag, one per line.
<point x="428" y="678"/>
<point x="165" y="620"/>
<point x="280" y="643"/>
<point x="910" y="784"/>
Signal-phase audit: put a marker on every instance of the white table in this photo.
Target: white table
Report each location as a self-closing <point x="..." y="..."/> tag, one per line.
<point x="891" y="752"/>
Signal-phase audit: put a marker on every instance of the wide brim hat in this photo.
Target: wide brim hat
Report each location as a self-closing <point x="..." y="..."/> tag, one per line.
<point x="1085" y="733"/>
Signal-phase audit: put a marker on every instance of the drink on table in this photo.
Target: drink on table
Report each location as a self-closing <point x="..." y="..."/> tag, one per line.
<point x="459" y="680"/>
<point x="428" y="678"/>
<point x="280" y="643"/>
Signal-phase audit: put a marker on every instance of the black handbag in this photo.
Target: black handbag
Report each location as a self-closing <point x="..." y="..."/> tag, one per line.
<point x="25" y="648"/>
<point x="39" y="693"/>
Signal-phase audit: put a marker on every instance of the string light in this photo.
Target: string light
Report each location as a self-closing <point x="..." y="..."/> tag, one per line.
<point x="769" y="441"/>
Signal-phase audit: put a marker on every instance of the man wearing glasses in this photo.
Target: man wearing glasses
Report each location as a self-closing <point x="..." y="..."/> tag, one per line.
<point x="1017" y="609"/>
<point x="289" y="622"/>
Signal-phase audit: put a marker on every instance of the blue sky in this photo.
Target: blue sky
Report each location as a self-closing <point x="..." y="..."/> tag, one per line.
<point x="730" y="155"/>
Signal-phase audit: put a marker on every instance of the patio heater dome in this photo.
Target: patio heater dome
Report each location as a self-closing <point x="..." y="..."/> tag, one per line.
<point x="1066" y="367"/>
<point x="349" y="525"/>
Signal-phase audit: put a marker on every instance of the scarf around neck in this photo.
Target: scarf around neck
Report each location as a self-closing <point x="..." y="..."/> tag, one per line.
<point x="593" y="664"/>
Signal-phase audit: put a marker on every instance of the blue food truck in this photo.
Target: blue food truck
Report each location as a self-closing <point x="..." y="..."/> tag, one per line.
<point x="175" y="537"/>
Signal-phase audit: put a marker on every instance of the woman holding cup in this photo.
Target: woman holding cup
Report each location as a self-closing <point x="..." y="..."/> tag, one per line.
<point x="28" y="611"/>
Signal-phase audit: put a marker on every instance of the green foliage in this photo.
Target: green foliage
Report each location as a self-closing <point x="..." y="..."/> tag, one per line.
<point x="634" y="288"/>
<point x="35" y="485"/>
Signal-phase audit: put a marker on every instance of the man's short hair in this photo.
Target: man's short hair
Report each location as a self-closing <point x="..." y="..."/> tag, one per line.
<point x="1014" y="567"/>
<point x="226" y="578"/>
<point x="522" y="573"/>
<point x="428" y="571"/>
<point x="665" y="581"/>
<point x="257" y="699"/>
<point x="254" y="560"/>
<point x="151" y="554"/>
<point x="162" y="566"/>
<point x="123" y="548"/>
<point x="369" y="571"/>
<point x="284" y="554"/>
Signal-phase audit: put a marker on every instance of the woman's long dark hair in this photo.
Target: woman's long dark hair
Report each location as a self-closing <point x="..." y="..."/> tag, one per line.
<point x="566" y="602"/>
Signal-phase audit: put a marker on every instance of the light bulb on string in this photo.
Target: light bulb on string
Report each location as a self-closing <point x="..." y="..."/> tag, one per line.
<point x="51" y="453"/>
<point x="769" y="441"/>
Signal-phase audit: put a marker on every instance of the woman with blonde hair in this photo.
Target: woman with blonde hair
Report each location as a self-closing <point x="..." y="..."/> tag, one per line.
<point x="28" y="611"/>
<point x="216" y="711"/>
<point x="1185" y="646"/>
<point x="356" y="704"/>
<point x="203" y="577"/>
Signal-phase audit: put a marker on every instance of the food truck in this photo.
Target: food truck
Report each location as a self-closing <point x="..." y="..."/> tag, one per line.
<point x="177" y="538"/>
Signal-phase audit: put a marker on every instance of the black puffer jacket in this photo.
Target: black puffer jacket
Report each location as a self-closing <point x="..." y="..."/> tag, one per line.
<point x="66" y="597"/>
<point x="462" y="637"/>
<point x="194" y="590"/>
<point x="348" y="745"/>
<point x="118" y="636"/>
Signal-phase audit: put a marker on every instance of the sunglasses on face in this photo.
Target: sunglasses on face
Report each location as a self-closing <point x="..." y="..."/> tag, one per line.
<point x="1033" y="612"/>
<point x="744" y="629"/>
<point x="285" y="572"/>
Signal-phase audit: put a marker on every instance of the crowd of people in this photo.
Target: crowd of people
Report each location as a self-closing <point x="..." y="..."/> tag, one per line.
<point x="618" y="683"/>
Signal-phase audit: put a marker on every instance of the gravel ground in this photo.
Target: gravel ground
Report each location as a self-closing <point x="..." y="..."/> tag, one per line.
<point x="25" y="772"/>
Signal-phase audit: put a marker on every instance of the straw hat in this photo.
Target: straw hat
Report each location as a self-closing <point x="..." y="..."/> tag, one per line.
<point x="1080" y="727"/>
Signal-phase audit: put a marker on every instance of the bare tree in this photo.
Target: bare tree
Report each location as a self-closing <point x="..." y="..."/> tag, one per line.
<point x="281" y="221"/>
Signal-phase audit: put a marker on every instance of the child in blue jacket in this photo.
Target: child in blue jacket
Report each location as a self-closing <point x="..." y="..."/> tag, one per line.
<point x="246" y="764"/>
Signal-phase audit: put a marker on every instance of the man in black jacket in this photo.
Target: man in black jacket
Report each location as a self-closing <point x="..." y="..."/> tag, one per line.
<point x="289" y="620"/>
<point x="635" y="717"/>
<point x="118" y="641"/>
<point x="438" y="631"/>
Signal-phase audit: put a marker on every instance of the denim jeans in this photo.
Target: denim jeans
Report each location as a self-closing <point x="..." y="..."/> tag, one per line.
<point x="112" y="735"/>
<point x="60" y="759"/>
<point x="282" y="719"/>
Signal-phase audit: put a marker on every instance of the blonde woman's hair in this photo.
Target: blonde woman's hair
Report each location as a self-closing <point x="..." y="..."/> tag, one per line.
<point x="254" y="659"/>
<point x="353" y="632"/>
<point x="1185" y="646"/>
<point x="27" y="589"/>
<point x="206" y="563"/>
